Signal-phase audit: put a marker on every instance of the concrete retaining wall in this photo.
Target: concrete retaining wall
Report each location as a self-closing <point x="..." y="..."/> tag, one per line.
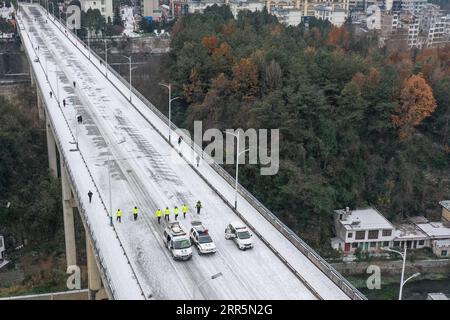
<point x="394" y="267"/>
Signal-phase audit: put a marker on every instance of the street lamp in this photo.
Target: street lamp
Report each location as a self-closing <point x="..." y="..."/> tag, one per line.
<point x="169" y="86"/>
<point x="214" y="276"/>
<point x="129" y="59"/>
<point x="237" y="166"/>
<point x="106" y="58"/>
<point x="402" y="283"/>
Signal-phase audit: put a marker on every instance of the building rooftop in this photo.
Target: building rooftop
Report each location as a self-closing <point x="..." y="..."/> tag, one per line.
<point x="408" y="231"/>
<point x="435" y="230"/>
<point x="442" y="243"/>
<point x="437" y="296"/>
<point x="445" y="203"/>
<point x="418" y="219"/>
<point x="363" y="219"/>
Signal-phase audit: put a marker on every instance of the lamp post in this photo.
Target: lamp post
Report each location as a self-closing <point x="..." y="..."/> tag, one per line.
<point x="129" y="59"/>
<point x="169" y="86"/>
<point x="237" y="167"/>
<point x="402" y="283"/>
<point x="214" y="276"/>
<point x="106" y="58"/>
<point x="109" y="186"/>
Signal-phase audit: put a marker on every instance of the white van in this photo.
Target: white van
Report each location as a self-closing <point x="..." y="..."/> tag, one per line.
<point x="177" y="241"/>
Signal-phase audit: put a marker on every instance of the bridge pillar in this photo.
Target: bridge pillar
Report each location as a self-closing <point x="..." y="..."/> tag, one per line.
<point x="94" y="280"/>
<point x="32" y="76"/>
<point x="39" y="105"/>
<point x="51" y="149"/>
<point x="69" y="226"/>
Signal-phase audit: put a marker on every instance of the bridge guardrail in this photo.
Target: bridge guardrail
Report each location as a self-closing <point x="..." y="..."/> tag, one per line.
<point x="301" y="245"/>
<point x="100" y="259"/>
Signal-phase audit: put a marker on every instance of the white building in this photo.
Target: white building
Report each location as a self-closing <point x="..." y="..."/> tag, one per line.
<point x="373" y="18"/>
<point x="150" y="8"/>
<point x="334" y="14"/>
<point x="104" y="6"/>
<point x="413" y="6"/>
<point x="366" y="229"/>
<point x="410" y="236"/>
<point x="238" y="6"/>
<point x="200" y="6"/>
<point x="437" y="296"/>
<point x="441" y="248"/>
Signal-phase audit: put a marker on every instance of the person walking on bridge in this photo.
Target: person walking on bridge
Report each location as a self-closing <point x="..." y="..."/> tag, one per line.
<point x="167" y="214"/>
<point x="90" y="196"/>
<point x="135" y="213"/>
<point x="184" y="209"/>
<point x="119" y="215"/>
<point x="175" y="211"/>
<point x="198" y="206"/>
<point x="158" y="214"/>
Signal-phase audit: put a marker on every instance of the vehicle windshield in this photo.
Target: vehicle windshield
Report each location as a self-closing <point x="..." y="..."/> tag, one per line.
<point x="204" y="239"/>
<point x="243" y="235"/>
<point x="181" y="244"/>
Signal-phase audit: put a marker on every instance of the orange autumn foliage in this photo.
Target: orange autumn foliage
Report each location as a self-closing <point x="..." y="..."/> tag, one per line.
<point x="416" y="103"/>
<point x="210" y="43"/>
<point x="245" y="77"/>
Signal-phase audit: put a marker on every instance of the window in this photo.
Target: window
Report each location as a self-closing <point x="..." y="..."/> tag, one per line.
<point x="386" y="244"/>
<point x="387" y="233"/>
<point x="355" y="245"/>
<point x="373" y="234"/>
<point x="421" y="242"/>
<point x="396" y="243"/>
<point x="444" y="253"/>
<point x="360" y="235"/>
<point x="350" y="234"/>
<point x="373" y="244"/>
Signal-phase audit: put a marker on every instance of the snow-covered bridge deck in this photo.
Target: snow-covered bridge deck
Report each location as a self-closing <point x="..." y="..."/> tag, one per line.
<point x="143" y="173"/>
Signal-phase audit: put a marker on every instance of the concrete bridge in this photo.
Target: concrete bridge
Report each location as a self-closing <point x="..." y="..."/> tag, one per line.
<point x="120" y="152"/>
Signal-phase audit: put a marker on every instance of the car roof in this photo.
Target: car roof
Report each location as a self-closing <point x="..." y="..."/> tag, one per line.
<point x="238" y="225"/>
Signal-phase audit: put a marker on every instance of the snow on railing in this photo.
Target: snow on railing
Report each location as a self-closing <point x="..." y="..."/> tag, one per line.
<point x="301" y="245"/>
<point x="105" y="272"/>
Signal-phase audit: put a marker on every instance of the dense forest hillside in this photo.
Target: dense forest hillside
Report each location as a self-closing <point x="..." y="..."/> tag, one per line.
<point x="359" y="125"/>
<point x="34" y="211"/>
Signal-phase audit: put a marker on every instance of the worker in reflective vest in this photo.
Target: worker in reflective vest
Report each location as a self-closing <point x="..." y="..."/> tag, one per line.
<point x="167" y="214"/>
<point x="175" y="210"/>
<point x="119" y="215"/>
<point x="198" y="206"/>
<point x="185" y="209"/>
<point x="135" y="213"/>
<point x="158" y="214"/>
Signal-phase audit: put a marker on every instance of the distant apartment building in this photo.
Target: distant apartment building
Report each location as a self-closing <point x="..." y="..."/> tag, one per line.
<point x="150" y="9"/>
<point x="368" y="230"/>
<point x="413" y="6"/>
<point x="104" y="6"/>
<point x="238" y="6"/>
<point x="334" y="14"/>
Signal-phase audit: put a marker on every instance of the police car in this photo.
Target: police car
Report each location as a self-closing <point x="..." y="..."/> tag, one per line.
<point x="200" y="237"/>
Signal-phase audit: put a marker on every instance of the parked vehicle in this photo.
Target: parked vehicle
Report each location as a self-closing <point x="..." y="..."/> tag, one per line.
<point x="240" y="234"/>
<point x="200" y="237"/>
<point x="177" y="241"/>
